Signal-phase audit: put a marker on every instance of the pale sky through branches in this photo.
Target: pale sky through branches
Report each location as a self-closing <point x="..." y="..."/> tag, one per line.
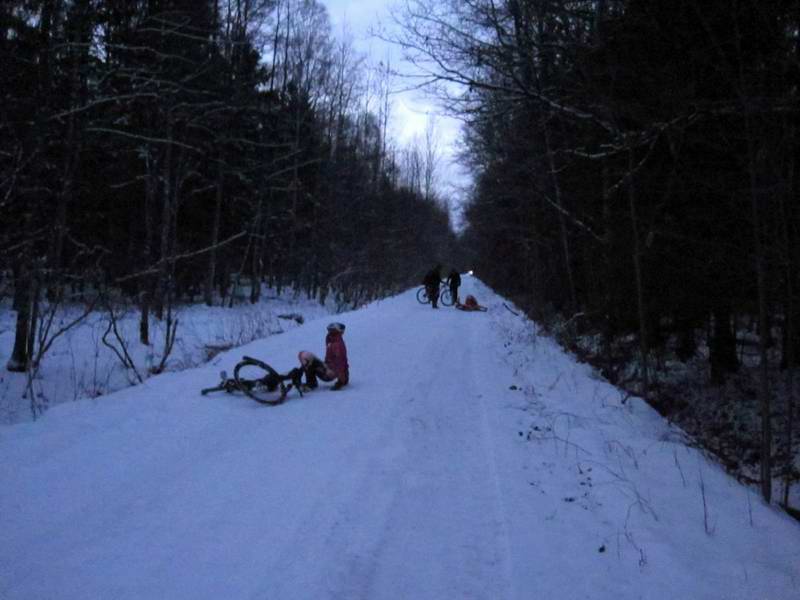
<point x="410" y="110"/>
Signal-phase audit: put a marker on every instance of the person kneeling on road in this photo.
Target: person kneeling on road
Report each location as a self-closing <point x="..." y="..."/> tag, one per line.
<point x="470" y="304"/>
<point x="335" y="365"/>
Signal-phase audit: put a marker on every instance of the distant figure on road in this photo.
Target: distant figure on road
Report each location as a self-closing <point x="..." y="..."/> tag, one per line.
<point x="431" y="282"/>
<point x="454" y="281"/>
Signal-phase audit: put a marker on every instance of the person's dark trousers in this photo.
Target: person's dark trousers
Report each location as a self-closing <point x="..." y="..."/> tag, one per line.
<point x="315" y="369"/>
<point x="296" y="376"/>
<point x="454" y="293"/>
<point x="311" y="378"/>
<point x="433" y="294"/>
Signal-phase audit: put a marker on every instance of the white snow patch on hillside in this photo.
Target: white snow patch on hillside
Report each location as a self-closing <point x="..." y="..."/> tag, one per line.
<point x="79" y="365"/>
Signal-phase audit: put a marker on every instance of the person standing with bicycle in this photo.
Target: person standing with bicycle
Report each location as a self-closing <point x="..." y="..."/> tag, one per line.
<point x="454" y="281"/>
<point x="431" y="282"/>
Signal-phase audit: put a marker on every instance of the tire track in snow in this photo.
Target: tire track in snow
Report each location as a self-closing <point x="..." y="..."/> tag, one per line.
<point x="417" y="515"/>
<point x="337" y="543"/>
<point x="444" y="515"/>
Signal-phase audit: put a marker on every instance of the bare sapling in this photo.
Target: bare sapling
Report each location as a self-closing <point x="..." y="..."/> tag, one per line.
<point x="44" y="332"/>
<point x="169" y="338"/>
<point x="120" y="349"/>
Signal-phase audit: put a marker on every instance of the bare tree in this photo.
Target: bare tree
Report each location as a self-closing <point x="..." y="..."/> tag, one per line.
<point x="431" y="159"/>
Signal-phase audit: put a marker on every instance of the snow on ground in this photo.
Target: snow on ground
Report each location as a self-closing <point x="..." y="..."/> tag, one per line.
<point x="469" y="458"/>
<point x="79" y="365"/>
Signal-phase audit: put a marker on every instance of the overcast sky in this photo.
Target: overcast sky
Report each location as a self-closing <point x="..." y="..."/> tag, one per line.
<point x="409" y="110"/>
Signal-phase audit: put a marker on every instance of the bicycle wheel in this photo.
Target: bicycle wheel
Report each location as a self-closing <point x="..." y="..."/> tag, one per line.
<point x="446" y="298"/>
<point x="259" y="381"/>
<point x="422" y="296"/>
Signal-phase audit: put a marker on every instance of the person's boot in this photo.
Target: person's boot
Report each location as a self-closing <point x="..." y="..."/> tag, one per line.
<point x="311" y="377"/>
<point x="296" y="376"/>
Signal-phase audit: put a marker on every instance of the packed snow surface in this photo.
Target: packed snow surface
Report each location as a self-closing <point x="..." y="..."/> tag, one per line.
<point x="469" y="458"/>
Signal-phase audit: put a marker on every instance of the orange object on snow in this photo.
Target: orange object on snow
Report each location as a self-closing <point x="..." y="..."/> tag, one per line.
<point x="470" y="303"/>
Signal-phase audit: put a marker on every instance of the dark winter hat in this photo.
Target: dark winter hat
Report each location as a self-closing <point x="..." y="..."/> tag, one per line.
<point x="338" y="327"/>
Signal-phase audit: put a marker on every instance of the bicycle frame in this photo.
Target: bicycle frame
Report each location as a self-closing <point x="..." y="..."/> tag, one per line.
<point x="445" y="297"/>
<point x="272" y="381"/>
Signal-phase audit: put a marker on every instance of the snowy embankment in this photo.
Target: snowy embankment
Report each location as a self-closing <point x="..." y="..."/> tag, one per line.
<point x="469" y="458"/>
<point x="80" y="365"/>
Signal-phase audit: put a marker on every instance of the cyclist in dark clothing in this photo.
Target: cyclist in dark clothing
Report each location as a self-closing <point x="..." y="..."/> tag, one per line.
<point x="453" y="281"/>
<point x="431" y="282"/>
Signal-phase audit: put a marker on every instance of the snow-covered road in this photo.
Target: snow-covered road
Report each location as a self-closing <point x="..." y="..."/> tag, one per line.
<point x="469" y="458"/>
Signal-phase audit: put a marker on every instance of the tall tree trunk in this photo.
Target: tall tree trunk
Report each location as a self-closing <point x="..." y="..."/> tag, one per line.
<point x="23" y="288"/>
<point x="78" y="49"/>
<point x="49" y="11"/>
<point x="637" y="264"/>
<point x="763" y="327"/>
<point x="148" y="282"/>
<point x="166" y="224"/>
<point x="35" y="288"/>
<point x="561" y="221"/>
<point x="790" y="334"/>
<point x="789" y="429"/>
<point x="212" y="255"/>
<point x="275" y="45"/>
<point x="605" y="301"/>
<point x="722" y="348"/>
<point x="257" y="258"/>
<point x="599" y="17"/>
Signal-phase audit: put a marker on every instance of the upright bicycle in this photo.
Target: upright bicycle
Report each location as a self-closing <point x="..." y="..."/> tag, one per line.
<point x="445" y="297"/>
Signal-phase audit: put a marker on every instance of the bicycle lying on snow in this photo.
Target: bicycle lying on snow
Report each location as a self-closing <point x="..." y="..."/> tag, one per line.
<point x="259" y="381"/>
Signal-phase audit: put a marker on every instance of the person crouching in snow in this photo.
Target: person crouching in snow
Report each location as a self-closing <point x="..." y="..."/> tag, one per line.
<point x="335" y="365"/>
<point x="470" y="304"/>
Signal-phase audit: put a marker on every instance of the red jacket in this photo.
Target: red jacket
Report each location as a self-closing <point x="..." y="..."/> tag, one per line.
<point x="336" y="356"/>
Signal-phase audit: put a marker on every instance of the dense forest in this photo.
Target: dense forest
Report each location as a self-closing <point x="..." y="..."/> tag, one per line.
<point x="634" y="168"/>
<point x="636" y="191"/>
<point x="163" y="151"/>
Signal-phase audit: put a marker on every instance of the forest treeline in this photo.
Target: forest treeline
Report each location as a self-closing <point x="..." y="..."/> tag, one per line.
<point x="173" y="150"/>
<point x="636" y="168"/>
